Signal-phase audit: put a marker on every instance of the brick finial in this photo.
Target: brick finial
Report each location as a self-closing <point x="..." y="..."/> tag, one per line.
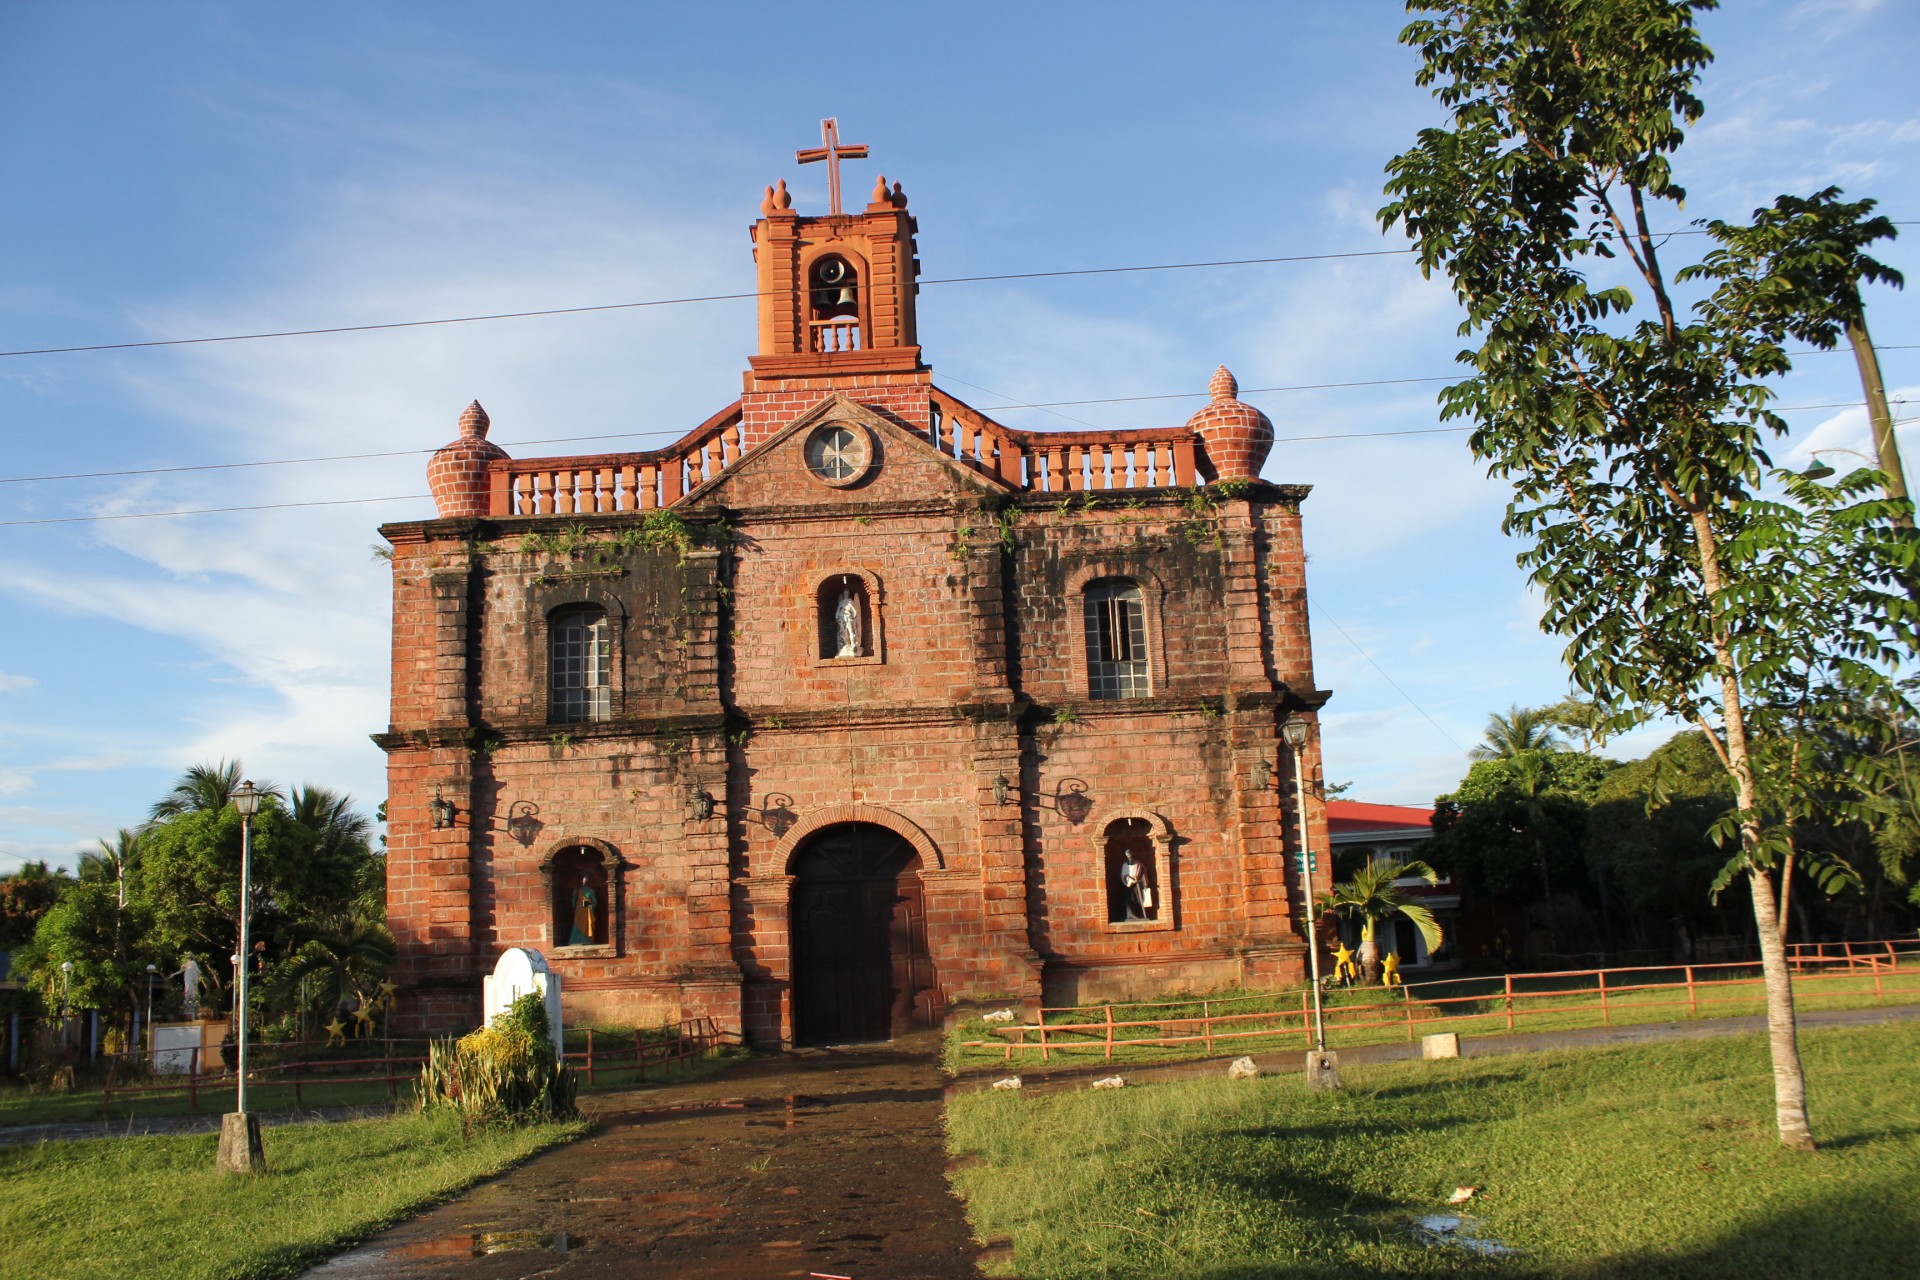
<point x="474" y="422"/>
<point x="1237" y="436"/>
<point x="457" y="474"/>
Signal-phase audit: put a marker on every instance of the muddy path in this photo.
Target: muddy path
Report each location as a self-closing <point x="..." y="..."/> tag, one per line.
<point x="825" y="1163"/>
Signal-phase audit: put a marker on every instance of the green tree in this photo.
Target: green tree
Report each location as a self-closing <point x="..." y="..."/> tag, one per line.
<point x="1511" y="816"/>
<point x="1521" y="729"/>
<point x="113" y="863"/>
<point x="1649" y="832"/>
<point x="1795" y="271"/>
<point x="204" y="788"/>
<point x="331" y="964"/>
<point x="1370" y="895"/>
<point x="106" y="942"/>
<point x="26" y="896"/>
<point x="1686" y="579"/>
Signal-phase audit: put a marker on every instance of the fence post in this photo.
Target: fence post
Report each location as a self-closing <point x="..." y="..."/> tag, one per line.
<point x="1509" y="1002"/>
<point x="1407" y="999"/>
<point x="1046" y="1054"/>
<point x="1109" y="1033"/>
<point x="589" y="1057"/>
<point x="1875" y="961"/>
<point x="1206" y="1023"/>
<point x="1606" y="1019"/>
<point x="1692" y="1003"/>
<point x="193" y="1079"/>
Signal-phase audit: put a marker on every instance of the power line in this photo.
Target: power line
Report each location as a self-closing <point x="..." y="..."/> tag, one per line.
<point x="212" y="511"/>
<point x="1315" y="606"/>
<point x="717" y="297"/>
<point x="676" y="302"/>
<point x="648" y="435"/>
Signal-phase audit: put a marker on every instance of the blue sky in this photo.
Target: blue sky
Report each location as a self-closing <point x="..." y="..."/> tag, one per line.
<point x="197" y="169"/>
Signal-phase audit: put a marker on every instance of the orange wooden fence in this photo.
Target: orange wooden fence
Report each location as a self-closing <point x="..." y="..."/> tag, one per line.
<point x="1893" y="968"/>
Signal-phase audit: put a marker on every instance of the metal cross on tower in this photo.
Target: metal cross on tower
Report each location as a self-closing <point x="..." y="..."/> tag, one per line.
<point x="833" y="151"/>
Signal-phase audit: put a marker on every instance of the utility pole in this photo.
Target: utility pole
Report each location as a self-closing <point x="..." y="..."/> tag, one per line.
<point x="1885" y="446"/>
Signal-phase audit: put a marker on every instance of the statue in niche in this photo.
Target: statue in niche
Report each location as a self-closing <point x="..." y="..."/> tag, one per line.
<point x="846" y="624"/>
<point x="585" y="904"/>
<point x="1136" y="896"/>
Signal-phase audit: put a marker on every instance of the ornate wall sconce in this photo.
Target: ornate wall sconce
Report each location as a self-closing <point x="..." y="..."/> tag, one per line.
<point x="777" y="815"/>
<point x="441" y="811"/>
<point x="699" y="803"/>
<point x="1071" y="801"/>
<point x="523" y="821"/>
<point x="1262" y="774"/>
<point x="1000" y="788"/>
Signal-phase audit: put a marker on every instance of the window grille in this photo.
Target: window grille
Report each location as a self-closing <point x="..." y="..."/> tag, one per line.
<point x="1116" y="641"/>
<point x="580" y="671"/>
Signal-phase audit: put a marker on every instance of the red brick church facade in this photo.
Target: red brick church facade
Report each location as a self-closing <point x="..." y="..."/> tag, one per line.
<point x="854" y="704"/>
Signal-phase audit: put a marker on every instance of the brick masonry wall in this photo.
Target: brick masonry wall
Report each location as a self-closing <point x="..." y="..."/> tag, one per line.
<point x="721" y="689"/>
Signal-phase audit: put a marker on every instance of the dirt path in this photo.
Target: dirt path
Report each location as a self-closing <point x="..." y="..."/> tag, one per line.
<point x="826" y="1163"/>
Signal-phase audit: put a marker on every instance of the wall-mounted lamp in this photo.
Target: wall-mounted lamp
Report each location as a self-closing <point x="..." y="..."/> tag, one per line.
<point x="700" y="804"/>
<point x="1071" y="801"/>
<point x="523" y="821"/>
<point x="777" y="815"/>
<point x="1000" y="787"/>
<point x="441" y="810"/>
<point x="1262" y="774"/>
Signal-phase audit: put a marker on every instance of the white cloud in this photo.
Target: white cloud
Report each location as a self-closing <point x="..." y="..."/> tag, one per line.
<point x="13" y="684"/>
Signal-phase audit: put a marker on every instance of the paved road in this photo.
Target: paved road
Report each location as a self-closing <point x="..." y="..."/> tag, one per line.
<point x="825" y="1163"/>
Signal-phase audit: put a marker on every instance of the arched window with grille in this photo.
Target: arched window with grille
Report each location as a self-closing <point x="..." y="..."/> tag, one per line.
<point x="1116" y="640"/>
<point x="580" y="665"/>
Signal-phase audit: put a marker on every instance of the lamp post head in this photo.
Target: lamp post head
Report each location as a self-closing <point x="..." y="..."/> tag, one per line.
<point x="1294" y="730"/>
<point x="152" y="969"/>
<point x="246" y="799"/>
<point x="66" y="966"/>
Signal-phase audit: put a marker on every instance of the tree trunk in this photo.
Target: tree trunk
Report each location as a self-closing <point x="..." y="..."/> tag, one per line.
<point x="1789" y="1081"/>
<point x="1885" y="446"/>
<point x="1369" y="957"/>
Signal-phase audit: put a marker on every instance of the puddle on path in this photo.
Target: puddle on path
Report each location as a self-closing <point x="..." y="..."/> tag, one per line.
<point x="478" y="1244"/>
<point x="1448" y="1231"/>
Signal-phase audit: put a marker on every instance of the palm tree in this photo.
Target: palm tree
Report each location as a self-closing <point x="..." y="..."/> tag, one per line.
<point x="1372" y="895"/>
<point x="337" y="827"/>
<point x="1521" y="729"/>
<point x="342" y="957"/>
<point x="204" y="788"/>
<point x="114" y="862"/>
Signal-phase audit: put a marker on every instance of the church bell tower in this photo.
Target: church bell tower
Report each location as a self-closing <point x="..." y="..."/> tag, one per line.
<point x="836" y="306"/>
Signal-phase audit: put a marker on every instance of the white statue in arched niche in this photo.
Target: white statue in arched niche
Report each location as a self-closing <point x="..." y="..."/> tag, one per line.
<point x="846" y="622"/>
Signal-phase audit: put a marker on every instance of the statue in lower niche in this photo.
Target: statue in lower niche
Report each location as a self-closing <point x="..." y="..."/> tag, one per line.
<point x="585" y="903"/>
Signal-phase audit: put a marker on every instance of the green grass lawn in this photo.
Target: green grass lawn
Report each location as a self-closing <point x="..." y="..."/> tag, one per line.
<point x="154" y="1207"/>
<point x="1471" y="1006"/>
<point x="1655" y="1161"/>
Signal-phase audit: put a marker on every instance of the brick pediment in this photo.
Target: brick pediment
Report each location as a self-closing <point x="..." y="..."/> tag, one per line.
<point x="886" y="464"/>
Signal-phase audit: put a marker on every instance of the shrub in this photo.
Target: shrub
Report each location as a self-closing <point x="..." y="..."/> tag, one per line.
<point x="506" y="1073"/>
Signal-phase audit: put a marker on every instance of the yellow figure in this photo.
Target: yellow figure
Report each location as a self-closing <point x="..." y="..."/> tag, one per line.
<point x="1344" y="969"/>
<point x="336" y="1032"/>
<point x="1390" y="970"/>
<point x="362" y="1021"/>
<point x="386" y="993"/>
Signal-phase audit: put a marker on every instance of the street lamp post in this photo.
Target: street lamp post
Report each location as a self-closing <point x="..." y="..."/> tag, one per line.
<point x="1322" y="1067"/>
<point x="152" y="971"/>
<point x="66" y="984"/>
<point x="240" y="1149"/>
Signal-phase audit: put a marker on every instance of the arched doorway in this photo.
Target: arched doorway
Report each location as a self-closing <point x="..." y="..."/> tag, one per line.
<point x="857" y="935"/>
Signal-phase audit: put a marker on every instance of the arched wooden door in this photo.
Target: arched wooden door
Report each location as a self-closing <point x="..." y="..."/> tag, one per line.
<point x="858" y="935"/>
